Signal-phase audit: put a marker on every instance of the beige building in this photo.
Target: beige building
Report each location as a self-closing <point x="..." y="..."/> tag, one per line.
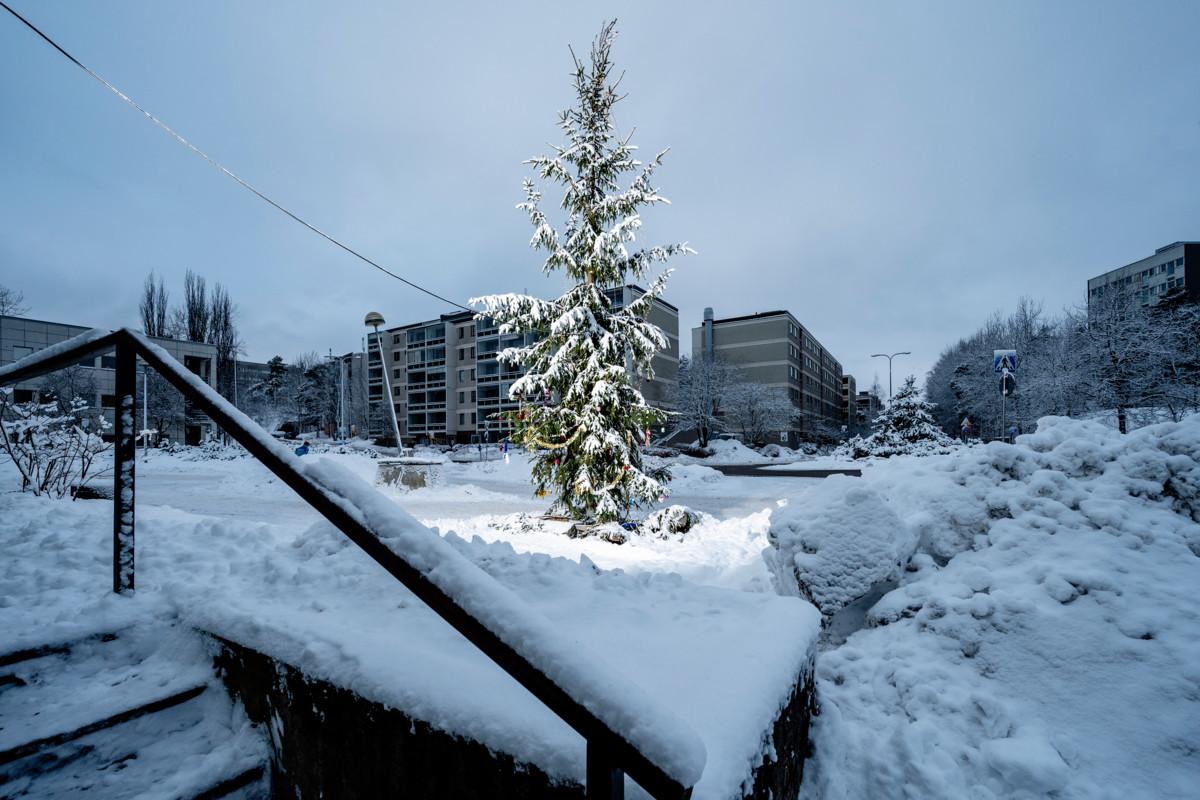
<point x="1173" y="268"/>
<point x="772" y="348"/>
<point x="448" y="386"/>
<point x="20" y="337"/>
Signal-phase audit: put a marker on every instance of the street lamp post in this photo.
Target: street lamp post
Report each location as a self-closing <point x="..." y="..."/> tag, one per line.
<point x="373" y="320"/>
<point x="889" y="358"/>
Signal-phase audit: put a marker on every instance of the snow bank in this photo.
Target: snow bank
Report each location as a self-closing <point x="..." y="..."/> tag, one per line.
<point x="722" y="661"/>
<point x="836" y="541"/>
<point x="1046" y="639"/>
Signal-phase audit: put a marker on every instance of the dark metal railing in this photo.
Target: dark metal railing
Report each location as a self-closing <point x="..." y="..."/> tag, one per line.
<point x="609" y="755"/>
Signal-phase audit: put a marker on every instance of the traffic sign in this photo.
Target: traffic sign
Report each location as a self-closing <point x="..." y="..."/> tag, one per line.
<point x="1005" y="361"/>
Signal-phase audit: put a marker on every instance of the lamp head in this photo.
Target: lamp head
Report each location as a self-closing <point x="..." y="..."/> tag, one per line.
<point x="373" y="319"/>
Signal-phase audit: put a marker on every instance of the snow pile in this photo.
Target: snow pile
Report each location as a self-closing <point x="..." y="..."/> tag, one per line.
<point x="670" y="521"/>
<point x="209" y="451"/>
<point x="692" y="477"/>
<point x="836" y="541"/>
<point x="1045" y="642"/>
<point x="725" y="451"/>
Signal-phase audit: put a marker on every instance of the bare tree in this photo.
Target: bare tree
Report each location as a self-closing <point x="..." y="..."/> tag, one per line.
<point x="165" y="405"/>
<point x="11" y="303"/>
<point x="699" y="395"/>
<point x="222" y="333"/>
<point x="196" y="311"/>
<point x="153" y="307"/>
<point x="759" y="412"/>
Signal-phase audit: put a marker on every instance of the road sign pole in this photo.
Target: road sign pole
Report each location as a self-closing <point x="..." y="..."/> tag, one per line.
<point x="1004" y="405"/>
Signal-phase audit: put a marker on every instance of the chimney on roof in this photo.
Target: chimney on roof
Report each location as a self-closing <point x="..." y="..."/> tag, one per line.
<point x="708" y="332"/>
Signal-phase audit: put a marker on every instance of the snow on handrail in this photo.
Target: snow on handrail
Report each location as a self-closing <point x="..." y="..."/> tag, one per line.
<point x="64" y="353"/>
<point x="591" y="694"/>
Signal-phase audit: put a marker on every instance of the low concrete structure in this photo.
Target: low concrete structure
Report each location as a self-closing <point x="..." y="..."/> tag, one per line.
<point x="408" y="473"/>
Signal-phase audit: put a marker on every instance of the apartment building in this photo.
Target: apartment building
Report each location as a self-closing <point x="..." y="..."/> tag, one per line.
<point x="1172" y="267"/>
<point x="774" y="349"/>
<point x="850" y="402"/>
<point x="20" y="337"/>
<point x="665" y="364"/>
<point x="869" y="405"/>
<point x="448" y="385"/>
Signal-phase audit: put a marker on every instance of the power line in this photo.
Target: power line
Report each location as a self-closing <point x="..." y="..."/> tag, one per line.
<point x="175" y="135"/>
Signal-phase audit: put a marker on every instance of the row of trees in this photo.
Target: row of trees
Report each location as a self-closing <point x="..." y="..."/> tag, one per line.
<point x="1113" y="355"/>
<point x="203" y="316"/>
<point x="713" y="396"/>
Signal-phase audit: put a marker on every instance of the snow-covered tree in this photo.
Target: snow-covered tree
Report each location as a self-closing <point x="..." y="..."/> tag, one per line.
<point x="580" y="407"/>
<point x="699" y="395"/>
<point x="759" y="413"/>
<point x="55" y="447"/>
<point x="905" y="427"/>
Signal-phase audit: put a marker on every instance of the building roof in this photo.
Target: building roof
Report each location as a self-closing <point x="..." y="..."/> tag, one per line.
<point x="760" y="314"/>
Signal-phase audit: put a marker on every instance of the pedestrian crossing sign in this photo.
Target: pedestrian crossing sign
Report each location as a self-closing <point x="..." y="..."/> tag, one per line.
<point x="1005" y="361"/>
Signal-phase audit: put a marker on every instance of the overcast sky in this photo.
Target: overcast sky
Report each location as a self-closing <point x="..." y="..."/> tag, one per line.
<point x="889" y="172"/>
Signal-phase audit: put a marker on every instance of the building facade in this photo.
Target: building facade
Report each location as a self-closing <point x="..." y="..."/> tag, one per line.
<point x="772" y="348"/>
<point x="448" y="386"/>
<point x="850" y="402"/>
<point x="869" y="406"/>
<point x="20" y="336"/>
<point x="1172" y="268"/>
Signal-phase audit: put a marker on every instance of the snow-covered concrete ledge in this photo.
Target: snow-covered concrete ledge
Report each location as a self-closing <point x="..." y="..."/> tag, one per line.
<point x="729" y="664"/>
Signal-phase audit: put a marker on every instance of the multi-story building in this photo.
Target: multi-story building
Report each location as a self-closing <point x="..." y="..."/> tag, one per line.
<point x="1171" y="268"/>
<point x="869" y="406"/>
<point x="20" y="337"/>
<point x="448" y="385"/>
<point x="665" y="364"/>
<point x="772" y="348"/>
<point x="247" y="375"/>
<point x="850" y="402"/>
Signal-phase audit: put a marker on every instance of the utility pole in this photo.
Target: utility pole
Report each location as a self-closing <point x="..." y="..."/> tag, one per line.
<point x="889" y="358"/>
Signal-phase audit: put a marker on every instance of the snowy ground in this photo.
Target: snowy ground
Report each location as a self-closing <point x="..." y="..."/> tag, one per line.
<point x="1030" y="626"/>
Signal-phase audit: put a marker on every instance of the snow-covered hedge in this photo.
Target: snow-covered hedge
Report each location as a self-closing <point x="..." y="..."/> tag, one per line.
<point x="1045" y="640"/>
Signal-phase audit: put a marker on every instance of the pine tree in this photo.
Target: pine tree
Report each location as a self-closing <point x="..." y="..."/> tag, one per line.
<point x="580" y="408"/>
<point x="905" y="427"/>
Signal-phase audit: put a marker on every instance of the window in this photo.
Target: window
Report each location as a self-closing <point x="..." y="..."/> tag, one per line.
<point x="395" y="355"/>
<point x="472" y="415"/>
<point x="21" y="352"/>
<point x="398" y="373"/>
<point x="108" y="401"/>
<point x="108" y="362"/>
<point x="462" y="418"/>
<point x="462" y="398"/>
<point x="472" y="395"/>
<point x="462" y="332"/>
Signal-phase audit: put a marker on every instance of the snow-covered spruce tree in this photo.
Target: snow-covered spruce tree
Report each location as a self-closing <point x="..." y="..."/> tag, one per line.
<point x="905" y="427"/>
<point x="580" y="409"/>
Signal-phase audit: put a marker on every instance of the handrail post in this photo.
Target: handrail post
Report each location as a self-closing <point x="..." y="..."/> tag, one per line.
<point x="605" y="781"/>
<point x="124" y="458"/>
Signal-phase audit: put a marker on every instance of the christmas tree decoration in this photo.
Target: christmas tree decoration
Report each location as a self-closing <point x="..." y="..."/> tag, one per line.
<point x="588" y="356"/>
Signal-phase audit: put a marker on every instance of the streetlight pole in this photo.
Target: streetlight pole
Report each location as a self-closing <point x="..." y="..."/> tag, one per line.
<point x="373" y="320"/>
<point x="889" y="358"/>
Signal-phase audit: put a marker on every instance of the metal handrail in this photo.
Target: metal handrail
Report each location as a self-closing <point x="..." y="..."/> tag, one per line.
<point x="609" y="754"/>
